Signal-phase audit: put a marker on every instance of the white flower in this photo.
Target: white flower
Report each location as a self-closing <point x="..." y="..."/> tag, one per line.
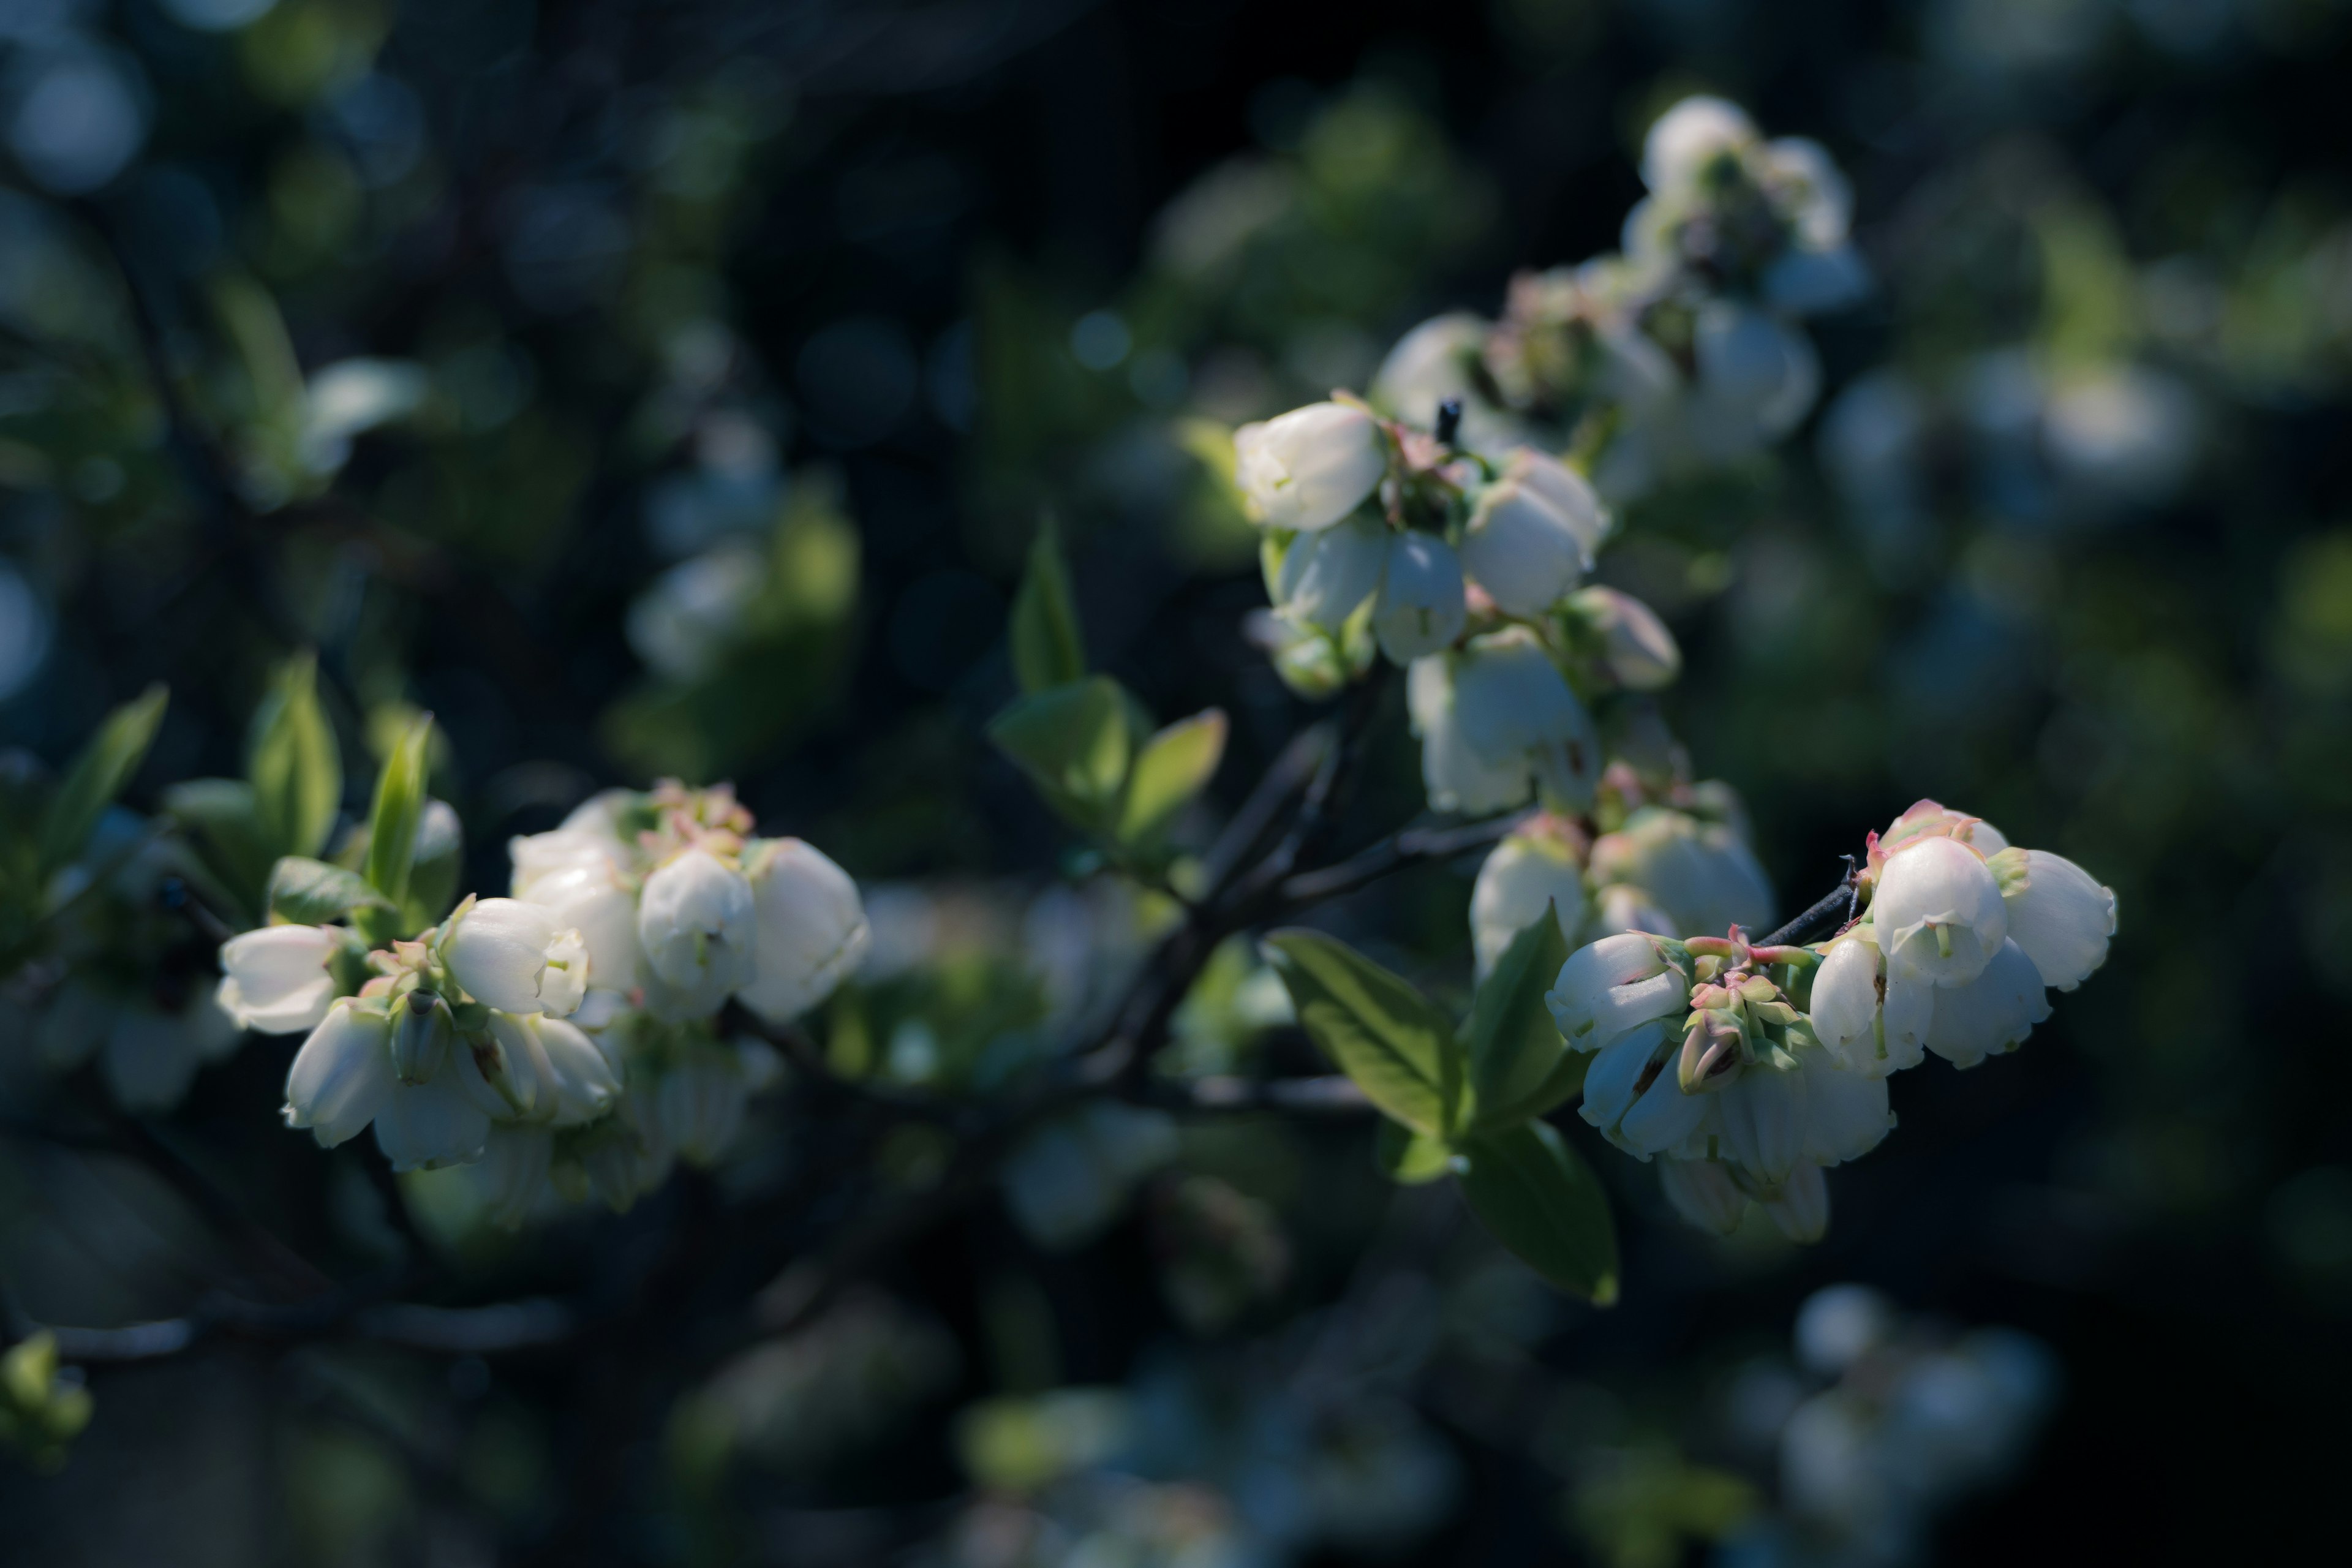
<point x="343" y="1074"/>
<point x="1422" y="608"/>
<point x="1846" y="1112"/>
<point x="1324" y="576"/>
<point x="1989" y="1013"/>
<point x="1635" y="645"/>
<point x="1688" y="137"/>
<point x="1812" y="190"/>
<point x="545" y="1070"/>
<point x="424" y="1126"/>
<point x="1523" y="545"/>
<point x="2062" y="918"/>
<point x="1633" y="1094"/>
<point x="1623" y="908"/>
<point x="515" y="1160"/>
<point x="1801" y="1207"/>
<point x="1701" y="874"/>
<point x="812" y="927"/>
<point x="1456" y="777"/>
<point x="1532" y="870"/>
<point x="1874" y="1022"/>
<point x="698" y="922"/>
<point x="1938" y="911"/>
<point x="589" y="898"/>
<point x="1757" y="379"/>
<point x="1311" y="467"/>
<point x="700" y="1104"/>
<point x="538" y="855"/>
<point x="1758" y="1120"/>
<point x="1515" y="711"/>
<point x="1703" y="1193"/>
<point x="1614" y="986"/>
<point x="276" y="979"/>
<point x="517" y="957"/>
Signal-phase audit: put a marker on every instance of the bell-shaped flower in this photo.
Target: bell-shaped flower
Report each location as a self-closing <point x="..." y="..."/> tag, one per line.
<point x="516" y="1158"/>
<point x="1441" y="360"/>
<point x="1311" y="467"/>
<point x="1846" y="1111"/>
<point x="277" y="979"/>
<point x="1760" y="1119"/>
<point x="1702" y="874"/>
<point x="427" y="1126"/>
<point x="2060" y="917"/>
<point x="546" y="1070"/>
<point x="1810" y="190"/>
<point x="342" y="1076"/>
<point x="1683" y="140"/>
<point x="1633" y="1096"/>
<point x="1326" y="576"/>
<point x="1991" y="1013"/>
<point x="1874" y="1022"/>
<point x="1616" y="985"/>
<point x="517" y="957"/>
<point x="699" y="1104"/>
<point x="1422" y="607"/>
<point x="1532" y="536"/>
<point x="1457" y="778"/>
<point x="1758" y="378"/>
<point x="698" y="921"/>
<point x="1802" y="1205"/>
<point x="1533" y="868"/>
<point x="812" y="927"/>
<point x="1515" y="710"/>
<point x="1703" y="1193"/>
<point x="1938" y="911"/>
<point x="1622" y="907"/>
<point x="589" y="898"/>
<point x="538" y="855"/>
<point x="1932" y="819"/>
<point x="1636" y="648"/>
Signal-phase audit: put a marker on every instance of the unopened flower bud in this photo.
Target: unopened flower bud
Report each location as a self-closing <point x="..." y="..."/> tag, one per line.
<point x="1326" y="575"/>
<point x="420" y="1037"/>
<point x="1523" y="549"/>
<point x="1636" y="648"/>
<point x="1614" y="986"/>
<point x="1309" y="468"/>
<point x="812" y="927"/>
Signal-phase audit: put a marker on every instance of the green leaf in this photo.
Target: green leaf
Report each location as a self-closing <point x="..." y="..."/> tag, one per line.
<point x="1173" y="766"/>
<point x="435" y="867"/>
<point x="1381" y="1032"/>
<point x="399" y="803"/>
<point x="1047" y="649"/>
<point x="308" y="892"/>
<point x="293" y="761"/>
<point x="221" y="823"/>
<point x="97" y="777"/>
<point x="1073" y="742"/>
<point x="1515" y="1049"/>
<point x="1544" y="1203"/>
<point x="1410" y="1158"/>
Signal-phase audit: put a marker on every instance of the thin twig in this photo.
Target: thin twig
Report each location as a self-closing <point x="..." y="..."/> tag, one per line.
<point x="1411" y="846"/>
<point x="1833" y="909"/>
<point x="1330" y="1095"/>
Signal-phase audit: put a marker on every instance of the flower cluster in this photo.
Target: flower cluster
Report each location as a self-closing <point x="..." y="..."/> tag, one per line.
<point x="1963" y="934"/>
<point x="1702" y="1057"/>
<point x="570" y="1030"/>
<point x="1678" y="353"/>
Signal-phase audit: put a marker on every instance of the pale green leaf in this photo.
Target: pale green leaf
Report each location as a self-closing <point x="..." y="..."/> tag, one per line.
<point x="1543" y="1202"/>
<point x="294" y="765"/>
<point x="1073" y="743"/>
<point x="308" y="892"/>
<point x="1173" y="767"/>
<point x="1410" y="1158"/>
<point x="1047" y="648"/>
<point x="1380" y="1031"/>
<point x="399" y="803"/>
<point x="97" y="777"/>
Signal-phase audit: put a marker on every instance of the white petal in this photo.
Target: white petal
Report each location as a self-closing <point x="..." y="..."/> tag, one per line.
<point x="2063" y="919"/>
<point x="698" y="921"/>
<point x="1704" y="1193"/>
<point x="590" y="899"/>
<point x="427" y="1126"/>
<point x="811" y="927"/>
<point x="512" y="955"/>
<point x="1846" y="1113"/>
<point x="343" y="1074"/>
<point x="1327" y="576"/>
<point x="1845" y="999"/>
<point x="1311" y="467"/>
<point x="1763" y="1116"/>
<point x="1662" y="1118"/>
<point x="281" y="982"/>
<point x="1933" y="894"/>
<point x="1612" y="1082"/>
<point x="1802" y="1209"/>
<point x="1521" y="550"/>
<point x="1991" y="1013"/>
<point x="1526" y="874"/>
<point x="1421" y="608"/>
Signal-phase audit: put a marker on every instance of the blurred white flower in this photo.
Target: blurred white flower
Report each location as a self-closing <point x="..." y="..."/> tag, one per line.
<point x="1703" y="1193"/>
<point x="1327" y="576"/>
<point x="1516" y="713"/>
<point x="692" y="615"/>
<point x="811" y="923"/>
<point x="1422" y="607"/>
<point x="1531" y="534"/>
<point x="276" y="979"/>
<point x="698" y="921"/>
<point x="1457" y="778"/>
<point x="1309" y="468"/>
<point x="699" y="1103"/>
<point x="538" y="855"/>
<point x="1683" y="140"/>
<point x="1534" y="867"/>
<point x="1701" y="874"/>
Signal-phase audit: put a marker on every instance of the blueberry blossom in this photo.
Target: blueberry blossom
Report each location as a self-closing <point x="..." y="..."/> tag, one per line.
<point x="698" y="921"/>
<point x="811" y="923"/>
<point x="516" y="957"/>
<point x="1422" y="607"/>
<point x="1538" y="866"/>
<point x="1701" y="875"/>
<point x="1531" y="533"/>
<point x="279" y="979"/>
<point x="1311" y="467"/>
